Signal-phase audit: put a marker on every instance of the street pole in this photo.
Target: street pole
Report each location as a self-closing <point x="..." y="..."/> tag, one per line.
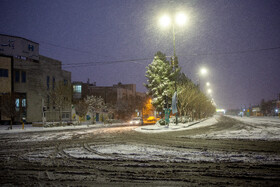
<point x="174" y="57"/>
<point x="173" y="27"/>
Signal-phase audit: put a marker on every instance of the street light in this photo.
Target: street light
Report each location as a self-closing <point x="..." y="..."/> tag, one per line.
<point x="207" y="84"/>
<point x="203" y="71"/>
<point x="165" y="21"/>
<point x="180" y="18"/>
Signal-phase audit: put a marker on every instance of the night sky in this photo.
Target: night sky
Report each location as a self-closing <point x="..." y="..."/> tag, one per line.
<point x="238" y="41"/>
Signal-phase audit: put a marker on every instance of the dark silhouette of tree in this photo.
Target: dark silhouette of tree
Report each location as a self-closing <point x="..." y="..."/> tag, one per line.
<point x="8" y="107"/>
<point x="61" y="97"/>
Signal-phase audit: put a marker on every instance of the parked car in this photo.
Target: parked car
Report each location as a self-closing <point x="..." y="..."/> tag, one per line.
<point x="150" y="120"/>
<point x="136" y="121"/>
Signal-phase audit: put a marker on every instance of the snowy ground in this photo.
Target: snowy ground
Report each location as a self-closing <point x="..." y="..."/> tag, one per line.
<point x="30" y="128"/>
<point x="261" y="128"/>
<point x="247" y="128"/>
<point x="253" y="128"/>
<point x="179" y="127"/>
<point x="214" y="152"/>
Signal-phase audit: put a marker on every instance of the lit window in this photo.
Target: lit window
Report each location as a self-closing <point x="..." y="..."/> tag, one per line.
<point x="23" y="103"/>
<point x="77" y="88"/>
<point x="17" y="102"/>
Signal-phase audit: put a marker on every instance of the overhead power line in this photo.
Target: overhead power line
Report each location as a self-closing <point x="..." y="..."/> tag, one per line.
<point x="137" y="61"/>
<point x="106" y="62"/>
<point x="71" y="49"/>
<point x="235" y="52"/>
<point x="195" y="54"/>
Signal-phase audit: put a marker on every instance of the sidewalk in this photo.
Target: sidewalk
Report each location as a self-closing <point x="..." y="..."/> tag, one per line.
<point x="29" y="128"/>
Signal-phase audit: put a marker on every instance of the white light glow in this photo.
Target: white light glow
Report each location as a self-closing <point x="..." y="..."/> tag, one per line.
<point x="165" y="21"/>
<point x="203" y="71"/>
<point x="181" y="18"/>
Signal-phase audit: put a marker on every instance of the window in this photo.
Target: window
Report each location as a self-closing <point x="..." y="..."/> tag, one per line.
<point x="65" y="115"/>
<point x="3" y="72"/>
<point x="65" y="82"/>
<point x="48" y="82"/>
<point x="53" y="82"/>
<point x="77" y="88"/>
<point x="48" y="102"/>
<point x="17" y="75"/>
<point x="23" y="102"/>
<point x="23" y="76"/>
<point x="17" y="104"/>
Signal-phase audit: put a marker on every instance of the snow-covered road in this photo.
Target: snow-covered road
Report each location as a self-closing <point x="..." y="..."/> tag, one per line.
<point x="260" y="128"/>
<point x="187" y="155"/>
<point x="252" y="128"/>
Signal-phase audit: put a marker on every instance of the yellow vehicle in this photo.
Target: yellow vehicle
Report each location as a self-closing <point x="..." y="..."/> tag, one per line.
<point x="150" y="120"/>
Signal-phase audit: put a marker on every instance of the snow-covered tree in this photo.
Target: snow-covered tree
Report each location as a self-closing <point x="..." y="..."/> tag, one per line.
<point x="193" y="102"/>
<point x="161" y="80"/>
<point x="95" y="104"/>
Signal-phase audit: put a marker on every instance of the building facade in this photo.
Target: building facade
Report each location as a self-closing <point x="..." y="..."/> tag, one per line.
<point x="31" y="77"/>
<point x="119" y="96"/>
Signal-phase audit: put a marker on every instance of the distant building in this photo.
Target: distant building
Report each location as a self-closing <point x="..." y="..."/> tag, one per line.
<point x="110" y="94"/>
<point x="256" y="111"/>
<point x="114" y="96"/>
<point x="31" y="77"/>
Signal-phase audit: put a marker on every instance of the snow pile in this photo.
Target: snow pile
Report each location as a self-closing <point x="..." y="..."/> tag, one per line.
<point x="254" y="128"/>
<point x="173" y="127"/>
<point x="258" y="128"/>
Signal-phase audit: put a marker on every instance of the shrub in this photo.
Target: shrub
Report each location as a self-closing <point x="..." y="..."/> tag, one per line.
<point x="161" y="122"/>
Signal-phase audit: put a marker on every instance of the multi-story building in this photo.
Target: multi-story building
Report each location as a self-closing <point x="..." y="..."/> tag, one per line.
<point x="117" y="96"/>
<point x="110" y="94"/>
<point x="30" y="77"/>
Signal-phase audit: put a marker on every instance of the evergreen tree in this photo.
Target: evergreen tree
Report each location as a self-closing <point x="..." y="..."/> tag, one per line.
<point x="161" y="79"/>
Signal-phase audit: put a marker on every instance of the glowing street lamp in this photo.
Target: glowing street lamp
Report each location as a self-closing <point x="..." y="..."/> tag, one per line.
<point x="209" y="91"/>
<point x="165" y="21"/>
<point x="203" y="71"/>
<point x="207" y="84"/>
<point x="181" y="19"/>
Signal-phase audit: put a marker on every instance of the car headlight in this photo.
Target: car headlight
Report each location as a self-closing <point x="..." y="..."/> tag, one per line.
<point x="130" y="122"/>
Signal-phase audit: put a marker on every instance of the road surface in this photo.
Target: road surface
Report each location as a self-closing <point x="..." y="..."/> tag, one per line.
<point x="121" y="156"/>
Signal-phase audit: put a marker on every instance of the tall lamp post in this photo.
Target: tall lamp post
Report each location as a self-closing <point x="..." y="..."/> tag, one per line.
<point x="180" y="19"/>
